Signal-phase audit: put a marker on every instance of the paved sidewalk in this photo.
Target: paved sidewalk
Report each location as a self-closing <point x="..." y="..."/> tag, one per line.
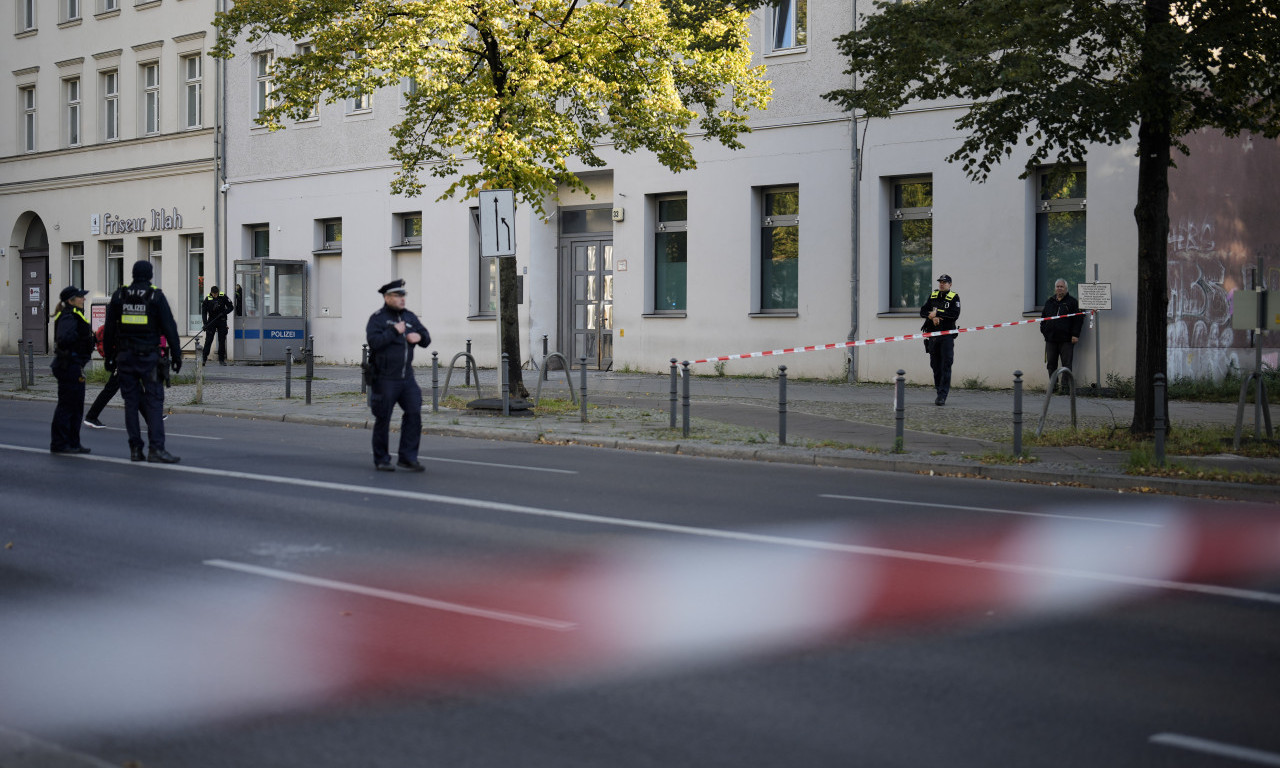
<point x="828" y="424"/>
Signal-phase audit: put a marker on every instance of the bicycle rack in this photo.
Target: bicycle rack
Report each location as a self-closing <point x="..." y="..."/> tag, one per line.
<point x="568" y="378"/>
<point x="472" y="361"/>
<point x="1053" y="385"/>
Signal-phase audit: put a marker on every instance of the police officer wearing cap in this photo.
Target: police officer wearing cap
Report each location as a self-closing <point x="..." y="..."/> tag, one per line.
<point x="392" y="333"/>
<point x="940" y="313"/>
<point x="213" y="313"/>
<point x="73" y="340"/>
<point x="137" y="317"/>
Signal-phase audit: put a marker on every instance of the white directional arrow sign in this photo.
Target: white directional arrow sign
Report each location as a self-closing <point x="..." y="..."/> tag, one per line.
<point x="498" y="222"/>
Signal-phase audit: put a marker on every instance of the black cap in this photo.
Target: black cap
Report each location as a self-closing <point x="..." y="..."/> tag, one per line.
<point x="944" y="278"/>
<point x="69" y="293"/>
<point x="395" y="286"/>
<point x="142" y="270"/>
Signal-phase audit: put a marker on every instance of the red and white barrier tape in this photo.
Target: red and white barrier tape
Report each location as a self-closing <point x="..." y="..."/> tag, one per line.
<point x="867" y="342"/>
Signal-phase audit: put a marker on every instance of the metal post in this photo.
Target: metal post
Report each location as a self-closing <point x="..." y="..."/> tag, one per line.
<point x="199" y="370"/>
<point x="685" y="419"/>
<point x="899" y="410"/>
<point x="288" y="373"/>
<point x="311" y="364"/>
<point x="674" y="376"/>
<point x="364" y="361"/>
<point x="506" y="387"/>
<point x="1017" y="414"/>
<point x="31" y="362"/>
<point x="435" y="382"/>
<point x="467" y="366"/>
<point x="1096" y="327"/>
<point x="22" y="366"/>
<point x="545" y="352"/>
<point x="582" y="386"/>
<point x="782" y="405"/>
<point x="1160" y="419"/>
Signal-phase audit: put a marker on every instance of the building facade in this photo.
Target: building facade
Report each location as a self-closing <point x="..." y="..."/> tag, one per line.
<point x="110" y="156"/>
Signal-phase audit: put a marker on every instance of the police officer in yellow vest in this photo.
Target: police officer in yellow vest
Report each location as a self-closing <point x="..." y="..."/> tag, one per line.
<point x="940" y="313"/>
<point x="73" y="338"/>
<point x="137" y="317"/>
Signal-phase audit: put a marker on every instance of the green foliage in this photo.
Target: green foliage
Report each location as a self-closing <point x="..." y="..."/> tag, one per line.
<point x="1205" y="389"/>
<point x="1123" y="385"/>
<point x="509" y="91"/>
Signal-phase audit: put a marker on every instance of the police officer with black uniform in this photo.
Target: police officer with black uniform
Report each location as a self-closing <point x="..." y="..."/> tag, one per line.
<point x="213" y="313"/>
<point x="137" y="317"/>
<point x="392" y="333"/>
<point x="940" y="313"/>
<point x="73" y="340"/>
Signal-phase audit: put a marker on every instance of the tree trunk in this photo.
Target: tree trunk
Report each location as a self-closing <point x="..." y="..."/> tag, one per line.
<point x="510" y="322"/>
<point x="1152" y="213"/>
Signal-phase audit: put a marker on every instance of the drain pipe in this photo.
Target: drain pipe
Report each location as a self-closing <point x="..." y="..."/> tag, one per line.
<point x="219" y="167"/>
<point x="856" y="172"/>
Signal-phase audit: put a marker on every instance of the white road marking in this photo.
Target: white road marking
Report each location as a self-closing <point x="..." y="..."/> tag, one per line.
<point x="989" y="509"/>
<point x="167" y="433"/>
<point x="499" y="466"/>
<point x="398" y="597"/>
<point x="685" y="530"/>
<point x="1217" y="748"/>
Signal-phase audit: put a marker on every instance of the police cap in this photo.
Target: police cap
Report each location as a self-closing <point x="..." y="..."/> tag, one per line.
<point x="944" y="278"/>
<point x="395" y="286"/>
<point x="69" y="293"/>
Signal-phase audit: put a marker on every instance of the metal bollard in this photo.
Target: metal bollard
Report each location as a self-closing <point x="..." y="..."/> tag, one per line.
<point x="288" y="373"/>
<point x="782" y="405"/>
<point x="543" y="372"/>
<point x="435" y="382"/>
<point x="467" y="367"/>
<point x="1017" y="414"/>
<point x="311" y="364"/>
<point x="22" y="365"/>
<point x="582" y="386"/>
<point x="1160" y="420"/>
<point x="199" y="370"/>
<point x="674" y="375"/>
<point x="31" y="362"/>
<point x="506" y="387"/>
<point x="685" y="404"/>
<point x="364" y="360"/>
<point x="899" y="411"/>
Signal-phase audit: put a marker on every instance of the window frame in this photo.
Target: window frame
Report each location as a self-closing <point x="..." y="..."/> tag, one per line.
<point x="27" y="16"/>
<point x="794" y="38"/>
<point x="192" y="91"/>
<point x="305" y="49"/>
<point x="149" y="106"/>
<point x="329" y="234"/>
<point x="27" y="105"/>
<point x="903" y="213"/>
<point x="113" y="250"/>
<point x="769" y="222"/>
<point x="73" y="94"/>
<point x="193" y="245"/>
<point x="262" y="84"/>
<point x="670" y="226"/>
<point x="110" y="80"/>
<point x="404" y="239"/>
<point x="254" y="232"/>
<point x="360" y="105"/>
<point x="75" y="264"/>
<point x="1042" y="285"/>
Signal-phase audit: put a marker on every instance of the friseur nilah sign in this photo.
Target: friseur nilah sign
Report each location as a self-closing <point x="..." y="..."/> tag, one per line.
<point x="160" y="221"/>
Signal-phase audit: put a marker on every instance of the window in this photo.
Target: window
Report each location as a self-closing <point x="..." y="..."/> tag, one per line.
<point x="361" y="103"/>
<point x="150" y="77"/>
<point x="109" y="5"/>
<point x="75" y="264"/>
<point x="486" y="274"/>
<point x="195" y="281"/>
<point x="789" y="24"/>
<point x="27" y="100"/>
<point x="110" y="105"/>
<point x="154" y="253"/>
<point x="671" y="255"/>
<point x="408" y="87"/>
<point x="192" y="92"/>
<point x="1060" y="226"/>
<point x="262" y="84"/>
<point x="331" y="234"/>
<point x="28" y="14"/>
<point x="71" y="88"/>
<point x="261" y="235"/>
<point x="72" y="10"/>
<point x="780" y="250"/>
<point x="911" y="244"/>
<point x="314" y="113"/>
<point x="114" y="251"/>
<point x="409" y="228"/>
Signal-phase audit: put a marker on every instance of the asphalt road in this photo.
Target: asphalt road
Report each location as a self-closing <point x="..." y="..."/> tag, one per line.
<point x="273" y="601"/>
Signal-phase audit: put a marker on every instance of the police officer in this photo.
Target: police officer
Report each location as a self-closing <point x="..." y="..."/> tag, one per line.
<point x="940" y="313"/>
<point x="73" y="340"/>
<point x="392" y="333"/>
<point x="213" y="313"/>
<point x="137" y="317"/>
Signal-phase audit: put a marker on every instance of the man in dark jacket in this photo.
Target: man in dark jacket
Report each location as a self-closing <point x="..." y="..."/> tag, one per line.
<point x="213" y="313"/>
<point x="73" y="339"/>
<point x="137" y="317"/>
<point x="940" y="313"/>
<point x="1060" y="336"/>
<point x="392" y="334"/>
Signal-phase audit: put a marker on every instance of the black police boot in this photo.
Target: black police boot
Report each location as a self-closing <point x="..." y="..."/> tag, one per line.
<point x="410" y="466"/>
<point x="136" y="454"/>
<point x="161" y="456"/>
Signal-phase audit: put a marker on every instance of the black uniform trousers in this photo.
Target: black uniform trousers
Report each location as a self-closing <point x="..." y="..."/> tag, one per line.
<point x="65" y="431"/>
<point x="942" y="353"/>
<point x="143" y="392"/>
<point x="384" y="396"/>
<point x="1055" y="351"/>
<point x="221" y="330"/>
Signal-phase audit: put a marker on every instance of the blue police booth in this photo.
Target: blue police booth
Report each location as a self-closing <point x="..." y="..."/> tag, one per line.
<point x="272" y="309"/>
